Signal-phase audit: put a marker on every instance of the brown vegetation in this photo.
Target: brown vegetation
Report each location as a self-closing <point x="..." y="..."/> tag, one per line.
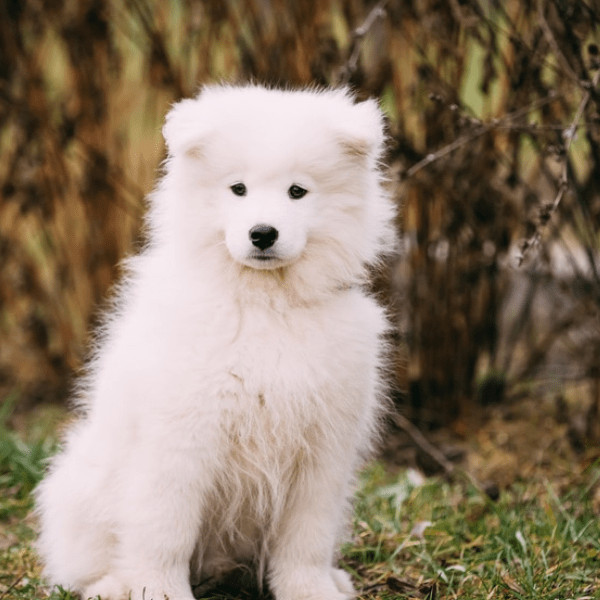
<point x="494" y="130"/>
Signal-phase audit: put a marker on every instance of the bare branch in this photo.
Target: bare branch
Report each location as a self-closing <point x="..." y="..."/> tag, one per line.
<point x="423" y="443"/>
<point x="437" y="455"/>
<point x="481" y="129"/>
<point x="554" y="44"/>
<point x="568" y="136"/>
<point x="377" y="12"/>
<point x="431" y="158"/>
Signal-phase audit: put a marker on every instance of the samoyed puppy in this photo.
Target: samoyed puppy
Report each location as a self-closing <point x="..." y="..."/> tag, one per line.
<point x="236" y="383"/>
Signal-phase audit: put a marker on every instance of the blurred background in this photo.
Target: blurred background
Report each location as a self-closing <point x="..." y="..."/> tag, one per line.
<point x="494" y="160"/>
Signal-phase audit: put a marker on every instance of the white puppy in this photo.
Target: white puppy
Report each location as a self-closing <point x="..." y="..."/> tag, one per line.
<point x="236" y="384"/>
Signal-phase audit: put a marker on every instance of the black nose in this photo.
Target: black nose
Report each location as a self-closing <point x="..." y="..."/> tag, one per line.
<point x="263" y="236"/>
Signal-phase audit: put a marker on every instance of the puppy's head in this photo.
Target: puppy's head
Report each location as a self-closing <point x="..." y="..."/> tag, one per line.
<point x="276" y="176"/>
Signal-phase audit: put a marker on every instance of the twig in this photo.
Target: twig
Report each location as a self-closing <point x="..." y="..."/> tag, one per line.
<point x="438" y="456"/>
<point x="481" y="129"/>
<point x="430" y="158"/>
<point x="424" y="444"/>
<point x="568" y="136"/>
<point x="12" y="586"/>
<point x="554" y="45"/>
<point x="378" y="11"/>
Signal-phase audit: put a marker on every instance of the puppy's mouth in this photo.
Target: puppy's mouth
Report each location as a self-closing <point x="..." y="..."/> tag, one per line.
<point x="263" y="254"/>
<point x="265" y="259"/>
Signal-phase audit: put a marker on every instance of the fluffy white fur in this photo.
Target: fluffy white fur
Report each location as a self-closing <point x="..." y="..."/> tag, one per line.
<point x="234" y="389"/>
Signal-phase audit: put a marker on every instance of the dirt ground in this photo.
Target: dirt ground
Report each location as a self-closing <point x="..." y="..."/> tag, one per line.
<point x="544" y="439"/>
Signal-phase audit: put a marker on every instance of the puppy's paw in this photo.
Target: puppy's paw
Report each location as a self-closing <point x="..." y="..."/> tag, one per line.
<point x="313" y="584"/>
<point x="140" y="587"/>
<point x="343" y="582"/>
<point x="108" y="587"/>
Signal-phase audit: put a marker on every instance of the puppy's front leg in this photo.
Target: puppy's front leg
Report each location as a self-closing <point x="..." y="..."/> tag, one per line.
<point x="158" y="525"/>
<point x="301" y="562"/>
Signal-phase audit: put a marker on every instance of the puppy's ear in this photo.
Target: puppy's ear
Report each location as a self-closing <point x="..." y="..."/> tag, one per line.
<point x="185" y="130"/>
<point x="362" y="135"/>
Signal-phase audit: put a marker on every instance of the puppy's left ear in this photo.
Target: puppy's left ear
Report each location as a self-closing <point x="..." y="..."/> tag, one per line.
<point x="185" y="130"/>
<point x="363" y="133"/>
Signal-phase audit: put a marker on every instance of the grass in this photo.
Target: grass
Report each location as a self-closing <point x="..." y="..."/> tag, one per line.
<point x="413" y="537"/>
<point x="447" y="540"/>
<point x="22" y="460"/>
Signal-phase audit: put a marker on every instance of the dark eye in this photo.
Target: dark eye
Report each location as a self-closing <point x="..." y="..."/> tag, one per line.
<point x="239" y="189"/>
<point x="295" y="192"/>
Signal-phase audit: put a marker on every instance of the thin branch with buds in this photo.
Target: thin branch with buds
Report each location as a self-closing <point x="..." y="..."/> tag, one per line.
<point x="480" y="129"/>
<point x="358" y="35"/>
<point x="568" y="136"/>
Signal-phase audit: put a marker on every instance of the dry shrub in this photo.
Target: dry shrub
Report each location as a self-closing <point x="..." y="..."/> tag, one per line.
<point x="479" y="96"/>
<point x="499" y="87"/>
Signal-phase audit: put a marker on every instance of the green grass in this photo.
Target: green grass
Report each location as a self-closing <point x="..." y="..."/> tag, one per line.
<point x="22" y="460"/>
<point x="450" y="541"/>
<point x="413" y="538"/>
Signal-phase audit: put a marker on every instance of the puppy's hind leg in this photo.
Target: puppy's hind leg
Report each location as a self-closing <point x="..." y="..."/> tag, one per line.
<point x="160" y="518"/>
<point x="76" y="541"/>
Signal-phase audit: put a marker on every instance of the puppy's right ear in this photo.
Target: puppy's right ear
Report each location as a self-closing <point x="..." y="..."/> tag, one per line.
<point x="185" y="130"/>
